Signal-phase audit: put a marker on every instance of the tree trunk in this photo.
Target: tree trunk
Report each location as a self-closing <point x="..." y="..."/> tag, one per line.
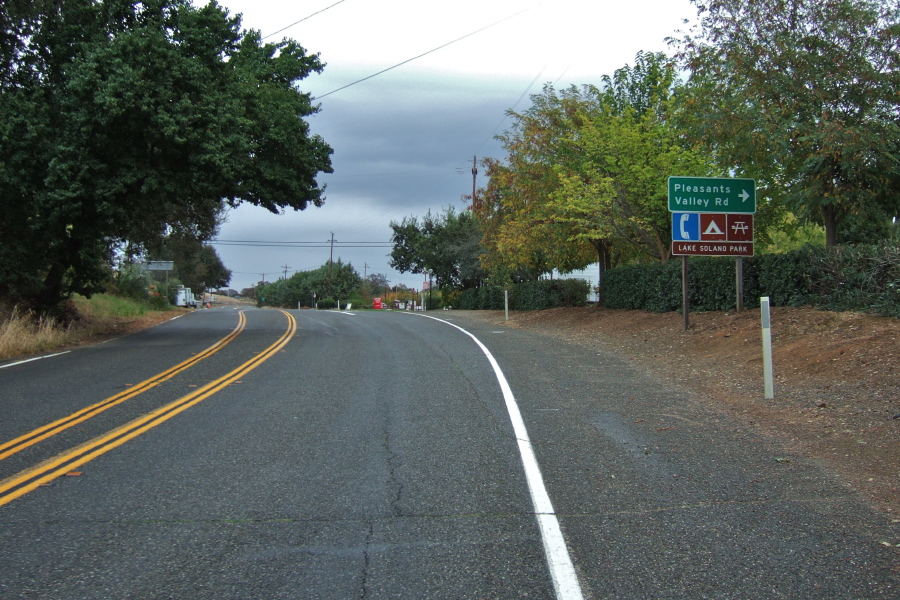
<point x="829" y="216"/>
<point x="603" y="261"/>
<point x="51" y="294"/>
<point x="662" y="250"/>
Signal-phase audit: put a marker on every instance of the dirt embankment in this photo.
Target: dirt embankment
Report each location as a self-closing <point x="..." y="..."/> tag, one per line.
<point x="837" y="376"/>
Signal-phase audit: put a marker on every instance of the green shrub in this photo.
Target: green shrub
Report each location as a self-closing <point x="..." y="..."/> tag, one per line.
<point x="529" y="295"/>
<point x="655" y="287"/>
<point x="864" y="278"/>
<point x="784" y="278"/>
<point x="130" y="282"/>
<point x="158" y="302"/>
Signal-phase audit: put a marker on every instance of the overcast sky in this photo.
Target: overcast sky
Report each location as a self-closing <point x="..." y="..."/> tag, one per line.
<point x="404" y="140"/>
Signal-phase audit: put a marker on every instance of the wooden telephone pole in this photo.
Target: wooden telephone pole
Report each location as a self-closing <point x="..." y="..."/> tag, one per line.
<point x="475" y="205"/>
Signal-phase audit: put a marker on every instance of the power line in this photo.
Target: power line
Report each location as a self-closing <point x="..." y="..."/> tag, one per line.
<point x="326" y="244"/>
<point x="505" y="116"/>
<point x="303" y="19"/>
<point x="336" y="245"/>
<point x="425" y="53"/>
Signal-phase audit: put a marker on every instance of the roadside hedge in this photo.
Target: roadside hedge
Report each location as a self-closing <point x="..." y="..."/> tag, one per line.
<point x="864" y="278"/>
<point x="530" y="295"/>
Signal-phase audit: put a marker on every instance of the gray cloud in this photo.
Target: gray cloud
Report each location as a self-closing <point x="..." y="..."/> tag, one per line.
<point x="404" y="140"/>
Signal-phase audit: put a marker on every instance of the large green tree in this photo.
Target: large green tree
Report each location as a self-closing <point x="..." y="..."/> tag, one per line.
<point x="447" y="246"/>
<point x="125" y="121"/>
<point x="586" y="171"/>
<point x="197" y="265"/>
<point x="626" y="148"/>
<point x="802" y="96"/>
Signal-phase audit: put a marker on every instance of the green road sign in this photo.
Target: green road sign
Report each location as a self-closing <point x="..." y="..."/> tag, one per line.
<point x="712" y="194"/>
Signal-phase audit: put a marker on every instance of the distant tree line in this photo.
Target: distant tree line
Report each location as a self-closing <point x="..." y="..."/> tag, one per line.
<point x="331" y="283"/>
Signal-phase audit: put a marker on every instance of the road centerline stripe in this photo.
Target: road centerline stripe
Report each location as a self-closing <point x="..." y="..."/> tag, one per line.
<point x="21" y="483"/>
<point x="11" y="447"/>
<point x="559" y="562"/>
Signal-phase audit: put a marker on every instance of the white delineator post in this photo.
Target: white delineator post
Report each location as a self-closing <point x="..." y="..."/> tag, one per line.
<point x="506" y="304"/>
<point x="767" y="346"/>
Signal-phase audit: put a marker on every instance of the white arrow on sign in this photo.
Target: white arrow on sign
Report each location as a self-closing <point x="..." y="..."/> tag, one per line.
<point x="744" y="195"/>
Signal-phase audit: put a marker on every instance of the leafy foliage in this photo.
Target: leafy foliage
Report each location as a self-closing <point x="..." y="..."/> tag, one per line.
<point x="124" y="121"/>
<point x="585" y="177"/>
<point x="521" y="232"/>
<point x="131" y="281"/>
<point x="800" y="95"/>
<point x="197" y="265"/>
<point x="627" y="148"/>
<point x="447" y="246"/>
<point x="840" y="278"/>
<point x="527" y="295"/>
<point x="330" y="282"/>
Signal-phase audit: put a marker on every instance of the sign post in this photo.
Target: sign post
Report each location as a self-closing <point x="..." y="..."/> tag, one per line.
<point x="712" y="216"/>
<point x="685" y="303"/>
<point x="161" y="265"/>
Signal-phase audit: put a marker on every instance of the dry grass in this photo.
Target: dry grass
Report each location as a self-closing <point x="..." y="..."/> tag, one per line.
<point x="25" y="333"/>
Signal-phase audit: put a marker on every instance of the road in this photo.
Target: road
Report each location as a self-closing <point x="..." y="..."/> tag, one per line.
<point x="320" y="454"/>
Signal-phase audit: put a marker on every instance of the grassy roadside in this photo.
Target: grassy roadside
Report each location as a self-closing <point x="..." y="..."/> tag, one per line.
<point x="95" y="318"/>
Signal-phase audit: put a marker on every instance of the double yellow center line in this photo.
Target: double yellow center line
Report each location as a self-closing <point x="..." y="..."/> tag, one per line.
<point x="29" y="479"/>
<point x="29" y="439"/>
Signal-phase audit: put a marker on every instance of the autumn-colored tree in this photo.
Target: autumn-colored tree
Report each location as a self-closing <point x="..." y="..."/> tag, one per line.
<point x="619" y="189"/>
<point x="521" y="231"/>
<point x="586" y="172"/>
<point x="614" y="194"/>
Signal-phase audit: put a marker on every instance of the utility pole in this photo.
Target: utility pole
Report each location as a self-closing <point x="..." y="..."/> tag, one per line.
<point x="330" y="260"/>
<point x="365" y="279"/>
<point x="474" y="173"/>
<point x="285" y="267"/>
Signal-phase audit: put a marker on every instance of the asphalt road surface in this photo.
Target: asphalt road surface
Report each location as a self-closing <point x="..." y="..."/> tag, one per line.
<point x="320" y="454"/>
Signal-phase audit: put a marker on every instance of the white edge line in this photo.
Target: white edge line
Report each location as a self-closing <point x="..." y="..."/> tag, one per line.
<point x="22" y="362"/>
<point x="559" y="562"/>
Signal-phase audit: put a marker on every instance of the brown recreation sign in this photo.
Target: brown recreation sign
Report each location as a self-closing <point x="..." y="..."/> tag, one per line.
<point x="712" y="234"/>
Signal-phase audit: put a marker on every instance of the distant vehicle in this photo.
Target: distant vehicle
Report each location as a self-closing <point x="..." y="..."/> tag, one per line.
<point x="184" y="297"/>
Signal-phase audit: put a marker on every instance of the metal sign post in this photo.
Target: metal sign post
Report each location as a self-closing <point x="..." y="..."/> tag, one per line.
<point x="685" y="302"/>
